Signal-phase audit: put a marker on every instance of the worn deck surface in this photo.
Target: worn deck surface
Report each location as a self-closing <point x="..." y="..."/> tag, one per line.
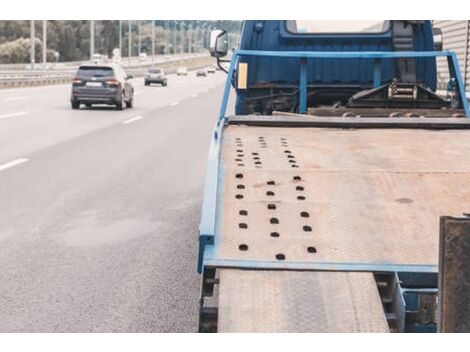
<point x="331" y="195"/>
<point x="368" y="196"/>
<point x="289" y="301"/>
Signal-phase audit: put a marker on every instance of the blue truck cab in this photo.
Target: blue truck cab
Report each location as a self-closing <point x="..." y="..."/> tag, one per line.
<point x="336" y="85"/>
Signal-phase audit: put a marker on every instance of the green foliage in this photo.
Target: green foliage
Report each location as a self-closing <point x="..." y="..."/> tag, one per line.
<point x="16" y="51"/>
<point x="71" y="39"/>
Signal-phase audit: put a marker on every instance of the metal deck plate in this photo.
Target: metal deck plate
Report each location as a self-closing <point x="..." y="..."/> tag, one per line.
<point x="289" y="301"/>
<point x="346" y="196"/>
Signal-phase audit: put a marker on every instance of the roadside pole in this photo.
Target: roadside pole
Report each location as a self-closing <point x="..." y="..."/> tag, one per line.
<point x="139" y="37"/>
<point x="92" y="38"/>
<point x="32" y="52"/>
<point x="153" y="41"/>
<point x="44" y="43"/>
<point x="174" y="37"/>
<point x="129" y="39"/>
<point x="166" y="35"/>
<point x="120" y="38"/>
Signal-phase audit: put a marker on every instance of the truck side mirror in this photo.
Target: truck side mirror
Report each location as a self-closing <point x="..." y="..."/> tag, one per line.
<point x="218" y="45"/>
<point x="438" y="39"/>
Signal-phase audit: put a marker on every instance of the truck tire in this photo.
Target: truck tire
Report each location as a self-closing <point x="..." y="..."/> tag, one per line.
<point x="130" y="103"/>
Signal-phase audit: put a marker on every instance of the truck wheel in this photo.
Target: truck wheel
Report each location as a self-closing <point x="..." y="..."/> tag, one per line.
<point x="75" y="105"/>
<point x="130" y="103"/>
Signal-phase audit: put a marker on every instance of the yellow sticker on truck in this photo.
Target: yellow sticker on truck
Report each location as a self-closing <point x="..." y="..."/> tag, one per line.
<point x="242" y="75"/>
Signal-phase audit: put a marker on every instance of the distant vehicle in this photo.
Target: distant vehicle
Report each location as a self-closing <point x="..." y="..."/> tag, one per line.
<point x="211" y="69"/>
<point x="96" y="58"/>
<point x="116" y="55"/>
<point x="156" y="75"/>
<point x="201" y="73"/>
<point x="102" y="84"/>
<point x="182" y="71"/>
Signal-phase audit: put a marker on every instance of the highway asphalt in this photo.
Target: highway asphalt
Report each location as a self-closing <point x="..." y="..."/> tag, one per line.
<point x="100" y="208"/>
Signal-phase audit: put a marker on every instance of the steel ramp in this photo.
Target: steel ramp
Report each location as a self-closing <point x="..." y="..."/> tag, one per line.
<point x="293" y="301"/>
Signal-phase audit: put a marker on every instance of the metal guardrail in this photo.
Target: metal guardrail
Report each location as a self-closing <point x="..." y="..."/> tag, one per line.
<point x="52" y="66"/>
<point x="26" y="78"/>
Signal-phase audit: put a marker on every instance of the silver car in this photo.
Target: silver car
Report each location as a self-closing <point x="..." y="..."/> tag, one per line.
<point x="156" y="75"/>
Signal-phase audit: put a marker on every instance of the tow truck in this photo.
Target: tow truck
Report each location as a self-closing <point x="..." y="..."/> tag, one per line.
<point x="335" y="196"/>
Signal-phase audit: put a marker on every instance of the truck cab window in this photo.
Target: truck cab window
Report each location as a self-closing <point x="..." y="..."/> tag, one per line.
<point x="336" y="27"/>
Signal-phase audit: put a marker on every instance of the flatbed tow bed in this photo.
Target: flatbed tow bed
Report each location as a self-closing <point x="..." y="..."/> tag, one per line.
<point x="328" y="224"/>
<point x="333" y="199"/>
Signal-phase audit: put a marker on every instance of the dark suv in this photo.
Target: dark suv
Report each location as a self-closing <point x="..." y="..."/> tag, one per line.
<point x="102" y="84"/>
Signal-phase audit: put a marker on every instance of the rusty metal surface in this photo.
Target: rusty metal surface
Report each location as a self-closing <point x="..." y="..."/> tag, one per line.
<point x="454" y="275"/>
<point x="340" y="195"/>
<point x="289" y="301"/>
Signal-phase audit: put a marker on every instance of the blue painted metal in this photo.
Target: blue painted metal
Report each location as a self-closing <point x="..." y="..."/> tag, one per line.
<point x="303" y="86"/>
<point x="265" y="35"/>
<point x="217" y="262"/>
<point x="345" y="54"/>
<point x="412" y="299"/>
<point x="399" y="306"/>
<point x="377" y="73"/>
<point x="377" y="55"/>
<point x="209" y="205"/>
<point x="228" y="86"/>
<point x="455" y="73"/>
<point x="418" y="280"/>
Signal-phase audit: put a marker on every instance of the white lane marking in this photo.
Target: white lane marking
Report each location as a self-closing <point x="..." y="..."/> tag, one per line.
<point x="135" y="118"/>
<point x="174" y="103"/>
<point x="12" y="163"/>
<point x="13" y="114"/>
<point x="194" y="95"/>
<point x="15" y="98"/>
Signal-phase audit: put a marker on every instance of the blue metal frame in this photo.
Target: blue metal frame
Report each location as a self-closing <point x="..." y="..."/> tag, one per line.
<point x="209" y="233"/>
<point x="214" y="262"/>
<point x="207" y="227"/>
<point x="454" y="69"/>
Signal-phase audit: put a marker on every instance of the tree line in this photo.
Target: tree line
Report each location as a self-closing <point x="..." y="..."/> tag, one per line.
<point x="70" y="40"/>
